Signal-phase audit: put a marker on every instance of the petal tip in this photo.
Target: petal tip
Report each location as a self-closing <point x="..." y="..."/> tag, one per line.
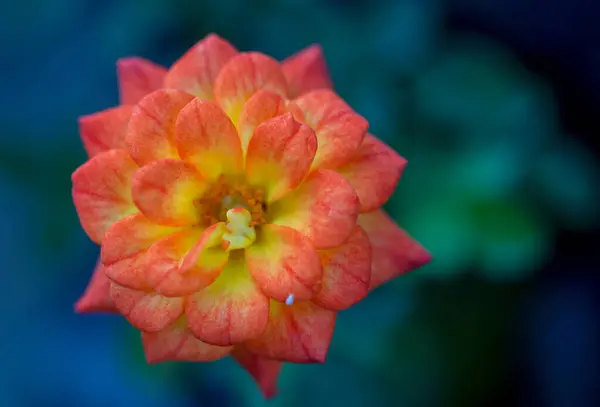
<point x="83" y="306"/>
<point x="138" y="77"/>
<point x="307" y="70"/>
<point x="421" y="257"/>
<point x="153" y="359"/>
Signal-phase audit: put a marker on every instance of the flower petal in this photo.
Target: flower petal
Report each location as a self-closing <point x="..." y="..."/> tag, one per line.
<point x="104" y="130"/>
<point x="207" y="252"/>
<point x="96" y="297"/>
<point x="262" y="106"/>
<point x="242" y="76"/>
<point x="324" y="208"/>
<point x="165" y="191"/>
<point x="176" y="343"/>
<point x="124" y="242"/>
<point x="195" y="72"/>
<point x="346" y="273"/>
<point x="300" y="333"/>
<point x="150" y="133"/>
<point x="229" y="311"/>
<point x="146" y="310"/>
<point x="129" y="272"/>
<point x="306" y="71"/>
<point x="279" y="155"/>
<point x="264" y="371"/>
<point x="102" y="191"/>
<point x="283" y="262"/>
<point x="165" y="259"/>
<point x="339" y="129"/>
<point x="374" y="172"/>
<point x="137" y="78"/>
<point x="206" y="138"/>
<point x="394" y="251"/>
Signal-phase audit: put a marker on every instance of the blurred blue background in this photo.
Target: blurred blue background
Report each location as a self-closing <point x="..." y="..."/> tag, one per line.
<point x="496" y="105"/>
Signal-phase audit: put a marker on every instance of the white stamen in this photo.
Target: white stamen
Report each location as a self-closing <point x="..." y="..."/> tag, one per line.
<point x="290" y="299"/>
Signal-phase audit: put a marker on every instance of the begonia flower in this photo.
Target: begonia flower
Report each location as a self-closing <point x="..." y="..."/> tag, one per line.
<point x="237" y="202"/>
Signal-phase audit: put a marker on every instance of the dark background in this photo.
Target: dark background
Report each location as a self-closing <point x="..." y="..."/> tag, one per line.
<point x="496" y="105"/>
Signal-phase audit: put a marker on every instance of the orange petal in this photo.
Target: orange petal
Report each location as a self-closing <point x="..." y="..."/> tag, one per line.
<point x="146" y="310"/>
<point x="339" y="129"/>
<point x="207" y="252"/>
<point x="300" y="333"/>
<point x="102" y="191"/>
<point x="176" y="343"/>
<point x="394" y="251"/>
<point x="283" y="262"/>
<point x="264" y="371"/>
<point x="229" y="311"/>
<point x="150" y="133"/>
<point x="96" y="297"/>
<point x="164" y="261"/>
<point x="104" y="130"/>
<point x="374" y="172"/>
<point x="279" y="155"/>
<point x="262" y="106"/>
<point x="306" y="71"/>
<point x="195" y="72"/>
<point x="242" y="76"/>
<point x="324" y="208"/>
<point x="129" y="272"/>
<point x="165" y="191"/>
<point x="124" y="241"/>
<point x="206" y="137"/>
<point x="137" y="78"/>
<point x="346" y="273"/>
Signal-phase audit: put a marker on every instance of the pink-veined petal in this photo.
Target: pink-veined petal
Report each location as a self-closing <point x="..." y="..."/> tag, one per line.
<point x="166" y="192"/>
<point x="262" y="106"/>
<point x="279" y="155"/>
<point x="165" y="261"/>
<point x="146" y="310"/>
<point x="394" y="251"/>
<point x="373" y="172"/>
<point x="137" y="78"/>
<point x="231" y="310"/>
<point x="195" y="72"/>
<point x="264" y="371"/>
<point x="104" y="130"/>
<point x="339" y="129"/>
<point x="283" y="262"/>
<point x="324" y="208"/>
<point x="96" y="297"/>
<point x="300" y="333"/>
<point x="176" y="343"/>
<point x="207" y="138"/>
<point x="244" y="75"/>
<point x="306" y="71"/>
<point x="125" y="243"/>
<point x="346" y="273"/>
<point x="150" y="133"/>
<point x="102" y="191"/>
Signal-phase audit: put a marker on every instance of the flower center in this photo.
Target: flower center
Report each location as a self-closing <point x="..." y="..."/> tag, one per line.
<point x="240" y="206"/>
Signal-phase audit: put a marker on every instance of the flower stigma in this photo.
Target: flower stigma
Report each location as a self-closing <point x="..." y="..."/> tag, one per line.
<point x="240" y="232"/>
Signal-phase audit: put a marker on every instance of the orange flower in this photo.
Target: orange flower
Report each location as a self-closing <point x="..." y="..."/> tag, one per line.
<point x="236" y="201"/>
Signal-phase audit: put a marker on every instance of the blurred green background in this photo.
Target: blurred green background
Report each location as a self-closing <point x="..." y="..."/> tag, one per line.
<point x="495" y="104"/>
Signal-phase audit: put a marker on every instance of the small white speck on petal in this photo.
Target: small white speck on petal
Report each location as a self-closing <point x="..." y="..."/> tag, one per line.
<point x="290" y="299"/>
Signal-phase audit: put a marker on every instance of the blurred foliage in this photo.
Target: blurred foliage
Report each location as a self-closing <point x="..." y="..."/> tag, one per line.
<point x="491" y="178"/>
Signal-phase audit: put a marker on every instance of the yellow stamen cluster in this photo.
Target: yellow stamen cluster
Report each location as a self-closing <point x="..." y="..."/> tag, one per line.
<point x="226" y="194"/>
